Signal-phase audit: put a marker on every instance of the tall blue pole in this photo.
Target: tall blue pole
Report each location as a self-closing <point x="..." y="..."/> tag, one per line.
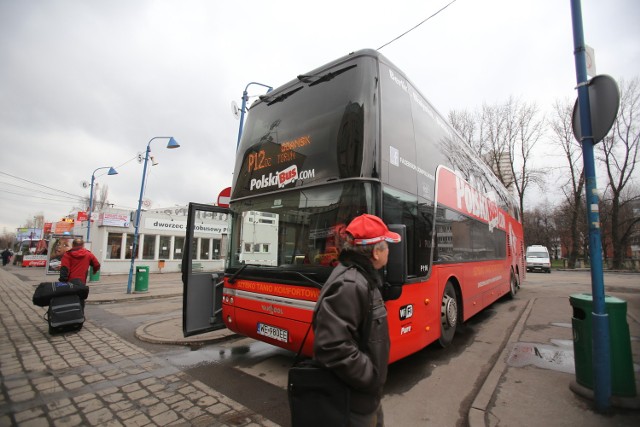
<point x="134" y="247"/>
<point x="245" y="98"/>
<point x="93" y="178"/>
<point x="600" y="349"/>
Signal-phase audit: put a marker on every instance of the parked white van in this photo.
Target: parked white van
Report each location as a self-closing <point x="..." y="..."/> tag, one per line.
<point x="538" y="258"/>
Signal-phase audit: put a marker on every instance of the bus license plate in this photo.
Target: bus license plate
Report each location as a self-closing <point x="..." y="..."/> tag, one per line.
<point x="273" y="332"/>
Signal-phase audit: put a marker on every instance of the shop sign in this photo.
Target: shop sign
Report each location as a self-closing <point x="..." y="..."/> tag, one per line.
<point x="113" y="220"/>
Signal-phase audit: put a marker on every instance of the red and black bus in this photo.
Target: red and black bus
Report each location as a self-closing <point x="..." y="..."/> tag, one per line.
<point x="351" y="137"/>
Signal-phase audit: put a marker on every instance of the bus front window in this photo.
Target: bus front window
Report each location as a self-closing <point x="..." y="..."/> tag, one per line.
<point x="297" y="229"/>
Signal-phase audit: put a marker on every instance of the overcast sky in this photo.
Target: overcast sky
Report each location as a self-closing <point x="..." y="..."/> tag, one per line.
<point x="86" y="84"/>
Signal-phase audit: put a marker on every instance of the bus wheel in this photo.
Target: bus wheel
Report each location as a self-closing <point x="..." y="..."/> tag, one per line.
<point x="448" y="315"/>
<point x="514" y="286"/>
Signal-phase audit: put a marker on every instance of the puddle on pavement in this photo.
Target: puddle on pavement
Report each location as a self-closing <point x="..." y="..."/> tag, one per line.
<point x="243" y="352"/>
<point x="558" y="357"/>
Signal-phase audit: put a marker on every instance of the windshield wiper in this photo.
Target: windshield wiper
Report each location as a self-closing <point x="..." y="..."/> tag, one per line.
<point x="281" y="97"/>
<point x="304" y="276"/>
<point x="233" y="277"/>
<point x="325" y="78"/>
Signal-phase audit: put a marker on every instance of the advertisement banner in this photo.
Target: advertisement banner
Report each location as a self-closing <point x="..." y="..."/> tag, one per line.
<point x="62" y="226"/>
<point x="82" y="216"/>
<point x="25" y="233"/>
<point x="34" y="260"/>
<point x="113" y="220"/>
<point x="58" y="245"/>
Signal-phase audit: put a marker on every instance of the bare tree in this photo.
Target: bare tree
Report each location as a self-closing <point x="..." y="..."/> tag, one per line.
<point x="540" y="227"/>
<point x="573" y="188"/>
<point x="504" y="136"/>
<point x="469" y="127"/>
<point x="100" y="198"/>
<point x="104" y="194"/>
<point x="7" y="239"/>
<point x="619" y="153"/>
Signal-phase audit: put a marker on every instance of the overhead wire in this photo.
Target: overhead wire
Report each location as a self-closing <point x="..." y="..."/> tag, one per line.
<point x="416" y="26"/>
<point x="39" y="191"/>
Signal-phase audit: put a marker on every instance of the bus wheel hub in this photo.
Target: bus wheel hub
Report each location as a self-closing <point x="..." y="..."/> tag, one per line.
<point x="449" y="311"/>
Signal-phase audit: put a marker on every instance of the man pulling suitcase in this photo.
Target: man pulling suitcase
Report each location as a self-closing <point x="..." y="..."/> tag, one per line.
<point x="75" y="263"/>
<point x="67" y="312"/>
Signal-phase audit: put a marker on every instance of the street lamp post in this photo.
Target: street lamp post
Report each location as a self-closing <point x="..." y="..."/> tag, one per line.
<point x="172" y="144"/>
<point x="112" y="171"/>
<point x="245" y="98"/>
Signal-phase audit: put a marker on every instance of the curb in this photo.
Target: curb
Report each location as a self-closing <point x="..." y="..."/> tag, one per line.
<point x="136" y="297"/>
<point x="478" y="410"/>
<point x="171" y="333"/>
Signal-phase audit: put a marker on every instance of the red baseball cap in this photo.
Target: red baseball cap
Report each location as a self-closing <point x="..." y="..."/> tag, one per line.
<point x="369" y="229"/>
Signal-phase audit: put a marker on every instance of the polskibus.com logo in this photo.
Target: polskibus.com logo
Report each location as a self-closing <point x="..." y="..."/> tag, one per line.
<point x="281" y="178"/>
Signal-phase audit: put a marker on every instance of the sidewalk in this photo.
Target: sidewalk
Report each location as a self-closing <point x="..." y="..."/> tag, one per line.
<point x="532" y="380"/>
<point x="95" y="377"/>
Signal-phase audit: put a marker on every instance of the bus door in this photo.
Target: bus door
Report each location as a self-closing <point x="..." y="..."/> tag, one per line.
<point x="203" y="261"/>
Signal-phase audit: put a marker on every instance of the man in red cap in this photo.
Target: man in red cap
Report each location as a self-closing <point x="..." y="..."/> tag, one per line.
<point x="351" y="310"/>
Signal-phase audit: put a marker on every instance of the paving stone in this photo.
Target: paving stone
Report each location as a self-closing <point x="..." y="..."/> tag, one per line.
<point x="207" y="401"/>
<point x="37" y="422"/>
<point x="165" y="418"/>
<point x="148" y="401"/>
<point x="157" y="409"/>
<point x="99" y="417"/>
<point x="219" y="408"/>
<point x="138" y="394"/>
<point x="90" y="405"/>
<point x="69" y="421"/>
<point x="113" y="397"/>
<point x="63" y="411"/>
<point x="138" y="420"/>
<point x="131" y="387"/>
<point x="27" y="415"/>
<point x="192" y="412"/>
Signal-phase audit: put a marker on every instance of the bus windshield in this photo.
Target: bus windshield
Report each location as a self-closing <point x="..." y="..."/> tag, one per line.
<point x="298" y="229"/>
<point x="311" y="131"/>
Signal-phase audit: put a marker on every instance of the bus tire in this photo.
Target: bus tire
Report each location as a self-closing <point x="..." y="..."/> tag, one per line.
<point x="513" y="285"/>
<point x="449" y="315"/>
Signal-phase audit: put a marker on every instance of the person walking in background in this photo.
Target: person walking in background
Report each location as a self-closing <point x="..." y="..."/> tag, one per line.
<point x="6" y="256"/>
<point x="349" y="303"/>
<point x="75" y="263"/>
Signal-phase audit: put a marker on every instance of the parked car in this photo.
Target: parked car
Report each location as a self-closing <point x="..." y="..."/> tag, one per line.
<point x="538" y="259"/>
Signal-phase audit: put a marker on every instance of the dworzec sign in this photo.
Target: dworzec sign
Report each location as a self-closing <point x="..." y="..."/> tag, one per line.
<point x="168" y="225"/>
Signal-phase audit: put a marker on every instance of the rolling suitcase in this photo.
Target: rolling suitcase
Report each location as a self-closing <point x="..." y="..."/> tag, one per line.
<point x="65" y="314"/>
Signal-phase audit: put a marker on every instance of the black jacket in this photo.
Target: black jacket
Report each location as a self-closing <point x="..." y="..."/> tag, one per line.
<point x="339" y="319"/>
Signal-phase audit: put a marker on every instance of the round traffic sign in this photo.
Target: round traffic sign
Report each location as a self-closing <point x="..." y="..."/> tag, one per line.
<point x="224" y="197"/>
<point x="604" y="101"/>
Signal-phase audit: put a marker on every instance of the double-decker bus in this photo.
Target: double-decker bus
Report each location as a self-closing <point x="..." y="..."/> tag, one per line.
<point x="351" y="137"/>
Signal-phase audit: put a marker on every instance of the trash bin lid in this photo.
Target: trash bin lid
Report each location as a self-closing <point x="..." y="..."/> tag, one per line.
<point x="586" y="300"/>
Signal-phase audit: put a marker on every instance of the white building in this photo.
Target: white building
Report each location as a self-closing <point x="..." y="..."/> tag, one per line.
<point x="161" y="237"/>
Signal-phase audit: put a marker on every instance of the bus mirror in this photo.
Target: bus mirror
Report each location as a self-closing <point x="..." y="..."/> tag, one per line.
<point x="397" y="264"/>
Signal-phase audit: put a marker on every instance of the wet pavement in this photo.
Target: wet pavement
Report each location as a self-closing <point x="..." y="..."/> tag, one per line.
<point x="96" y="377"/>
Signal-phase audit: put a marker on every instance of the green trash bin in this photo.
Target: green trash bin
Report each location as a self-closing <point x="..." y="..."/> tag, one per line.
<point x="142" y="279"/>
<point x="623" y="382"/>
<point x="94" y="277"/>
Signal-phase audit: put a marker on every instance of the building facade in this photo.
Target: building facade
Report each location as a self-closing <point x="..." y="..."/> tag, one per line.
<point x="161" y="238"/>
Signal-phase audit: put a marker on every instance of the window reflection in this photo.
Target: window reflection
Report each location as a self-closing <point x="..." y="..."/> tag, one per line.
<point x="302" y="228"/>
